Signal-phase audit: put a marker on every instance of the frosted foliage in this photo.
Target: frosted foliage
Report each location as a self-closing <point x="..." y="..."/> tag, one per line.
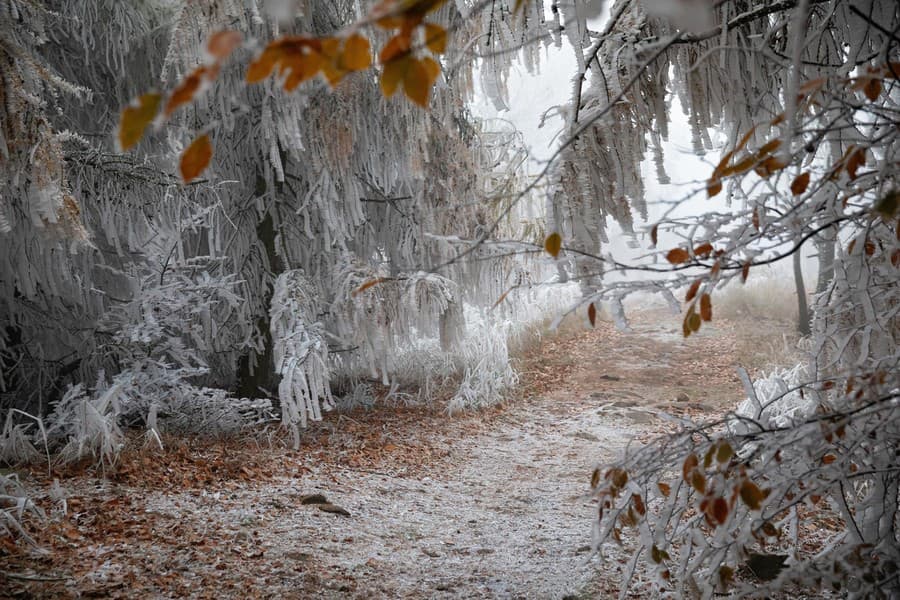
<point x="179" y="295"/>
<point x="301" y="353"/>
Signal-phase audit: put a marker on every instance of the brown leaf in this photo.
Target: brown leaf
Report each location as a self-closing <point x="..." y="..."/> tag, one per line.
<point x="769" y="147"/>
<point x="654" y="234"/>
<point x="333" y="509"/>
<point x="678" y="256"/>
<point x="638" y="504"/>
<point x="713" y="187"/>
<point x="724" y="452"/>
<point x="664" y="488"/>
<point x="221" y="44"/>
<point x="751" y="495"/>
<point x="698" y="481"/>
<point x="136" y="118"/>
<point x="690" y="463"/>
<point x="692" y="291"/>
<point x="196" y="158"/>
<point x="703" y="250"/>
<point x="396" y="48"/>
<point x="694" y="322"/>
<point x="595" y="478"/>
<point x="800" y="183"/>
<point x="706" y="307"/>
<point x="553" y="244"/>
<point x="720" y="510"/>
<point x="592" y="314"/>
<point x="872" y="88"/>
<point x="856" y="159"/>
<point x="745" y="272"/>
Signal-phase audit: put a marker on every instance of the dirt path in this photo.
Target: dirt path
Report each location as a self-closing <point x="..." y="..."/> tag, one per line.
<point x="486" y="506"/>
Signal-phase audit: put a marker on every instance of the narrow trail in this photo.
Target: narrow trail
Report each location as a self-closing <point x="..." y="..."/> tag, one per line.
<point x="485" y="506"/>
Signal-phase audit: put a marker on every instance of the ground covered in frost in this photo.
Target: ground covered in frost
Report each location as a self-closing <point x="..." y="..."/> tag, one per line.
<point x="487" y="505"/>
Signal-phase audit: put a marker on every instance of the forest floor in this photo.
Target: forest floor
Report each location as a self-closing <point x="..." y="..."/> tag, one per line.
<point x="485" y="505"/>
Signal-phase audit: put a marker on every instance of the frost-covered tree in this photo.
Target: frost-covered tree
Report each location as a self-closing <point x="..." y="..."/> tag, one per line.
<point x="799" y="101"/>
<point x="147" y="294"/>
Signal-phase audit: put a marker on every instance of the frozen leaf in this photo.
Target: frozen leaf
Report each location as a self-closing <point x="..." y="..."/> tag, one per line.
<point x="664" y="488"/>
<point x="136" y="118"/>
<point x="357" y="55"/>
<point x="417" y="82"/>
<point x="553" y="244"/>
<point x="690" y="463"/>
<point x="706" y="307"/>
<point x="692" y="291"/>
<point x="703" y="250"/>
<point x="435" y="38"/>
<point x="677" y="256"/>
<point x="800" y="183"/>
<point x="369" y="284"/>
<point x="221" y="44"/>
<point x="751" y="495"/>
<point x="195" y="158"/>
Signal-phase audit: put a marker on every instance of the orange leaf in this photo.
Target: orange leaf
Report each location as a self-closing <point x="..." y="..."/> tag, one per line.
<point x="357" y="55"/>
<point x="800" y="183"/>
<point x="136" y="118"/>
<point x="196" y="158"/>
<point x="677" y="256"/>
<point x="435" y="38"/>
<point x="553" y="244"/>
<point x="396" y="47"/>
<point x="639" y="504"/>
<point x="432" y="68"/>
<point x="221" y="44"/>
<point x="503" y="297"/>
<point x="692" y="291"/>
<point x="770" y="166"/>
<point x="262" y="67"/>
<point x="706" y="307"/>
<point x="664" y="488"/>
<point x="368" y="284"/>
<point x="303" y="67"/>
<point x="417" y="82"/>
<point x="703" y="250"/>
<point x="828" y="459"/>
<point x="393" y="74"/>
<point x="188" y="88"/>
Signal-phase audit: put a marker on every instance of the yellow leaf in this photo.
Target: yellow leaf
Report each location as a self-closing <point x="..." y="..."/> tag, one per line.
<point x="800" y="183"/>
<point x="196" y="158"/>
<point x="221" y="44"/>
<point x="553" y="244"/>
<point x="435" y="38"/>
<point x="302" y="67"/>
<point x="357" y="55"/>
<point x="417" y="82"/>
<point x="136" y="118"/>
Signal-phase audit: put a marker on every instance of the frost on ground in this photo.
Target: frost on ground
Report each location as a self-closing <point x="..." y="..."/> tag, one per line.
<point x="481" y="505"/>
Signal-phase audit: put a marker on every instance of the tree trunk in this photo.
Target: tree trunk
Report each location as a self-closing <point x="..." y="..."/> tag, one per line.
<point x="803" y="309"/>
